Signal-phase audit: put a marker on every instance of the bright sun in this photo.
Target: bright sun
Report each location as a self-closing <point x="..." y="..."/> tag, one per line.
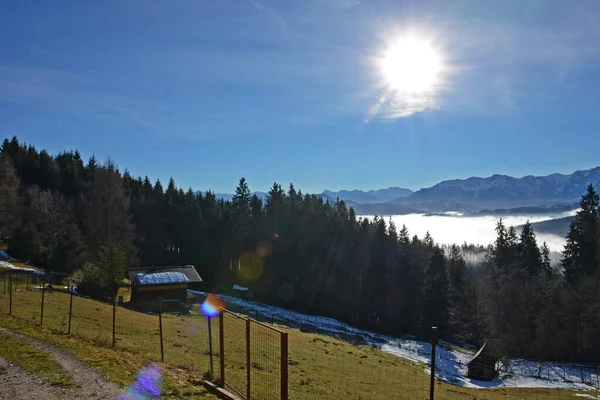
<point x="410" y="66"/>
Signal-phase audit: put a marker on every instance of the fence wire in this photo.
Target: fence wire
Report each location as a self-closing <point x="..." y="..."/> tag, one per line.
<point x="265" y="362"/>
<point x="322" y="365"/>
<point x="235" y="353"/>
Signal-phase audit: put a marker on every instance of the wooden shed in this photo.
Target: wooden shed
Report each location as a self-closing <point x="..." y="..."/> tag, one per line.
<point x="483" y="365"/>
<point x="167" y="282"/>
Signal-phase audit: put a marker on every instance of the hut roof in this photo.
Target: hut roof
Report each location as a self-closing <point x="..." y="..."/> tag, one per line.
<point x="478" y="354"/>
<point x="163" y="275"/>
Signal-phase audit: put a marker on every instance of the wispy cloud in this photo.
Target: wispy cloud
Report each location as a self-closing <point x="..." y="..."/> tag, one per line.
<point x="343" y="4"/>
<point x="271" y="13"/>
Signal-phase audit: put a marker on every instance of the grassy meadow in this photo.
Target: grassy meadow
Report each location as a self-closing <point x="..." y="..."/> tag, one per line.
<point x="320" y="367"/>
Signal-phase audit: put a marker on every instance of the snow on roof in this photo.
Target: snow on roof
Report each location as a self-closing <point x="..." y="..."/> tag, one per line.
<point x="240" y="288"/>
<point x="3" y="254"/>
<point x="478" y="353"/>
<point x="160" y="278"/>
<point x="187" y="270"/>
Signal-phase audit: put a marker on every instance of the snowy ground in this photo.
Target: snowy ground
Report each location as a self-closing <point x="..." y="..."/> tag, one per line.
<point x="4" y="256"/>
<point x="7" y="265"/>
<point x="451" y="364"/>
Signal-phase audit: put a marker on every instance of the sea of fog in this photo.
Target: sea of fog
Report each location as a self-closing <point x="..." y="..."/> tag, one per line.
<point x="456" y="229"/>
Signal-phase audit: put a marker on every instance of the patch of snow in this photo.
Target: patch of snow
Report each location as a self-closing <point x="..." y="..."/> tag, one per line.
<point x="240" y="288"/>
<point x="4" y="264"/>
<point x="451" y="363"/>
<point x="4" y="255"/>
<point x="587" y="396"/>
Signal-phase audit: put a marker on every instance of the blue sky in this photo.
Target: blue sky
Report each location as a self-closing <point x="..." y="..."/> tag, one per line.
<point x="209" y="91"/>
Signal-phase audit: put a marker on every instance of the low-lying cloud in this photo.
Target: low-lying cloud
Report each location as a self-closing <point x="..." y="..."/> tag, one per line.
<point x="472" y="230"/>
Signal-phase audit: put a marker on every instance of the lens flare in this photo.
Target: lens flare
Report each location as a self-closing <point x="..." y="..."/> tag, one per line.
<point x="250" y="267"/>
<point x="212" y="306"/>
<point x="147" y="385"/>
<point x="264" y="249"/>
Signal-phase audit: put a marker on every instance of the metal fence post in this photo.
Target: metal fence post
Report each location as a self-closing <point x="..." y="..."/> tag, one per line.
<point x="284" y="366"/>
<point x="27" y="282"/>
<point x="114" y="320"/>
<point x="221" y="350"/>
<point x="42" y="308"/>
<point x="247" y="359"/>
<point x="433" y="349"/>
<point x="210" y="348"/>
<point x="162" y="349"/>
<point x="70" y="311"/>
<point x="4" y="283"/>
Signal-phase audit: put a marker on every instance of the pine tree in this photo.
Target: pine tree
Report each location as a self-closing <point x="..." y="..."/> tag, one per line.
<point x="241" y="198"/>
<point x="113" y="259"/>
<point x="435" y="292"/>
<point x="582" y="251"/>
<point x="404" y="236"/>
<point x="106" y="213"/>
<point x="9" y="199"/>
<point x="528" y="252"/>
<point x="546" y="266"/>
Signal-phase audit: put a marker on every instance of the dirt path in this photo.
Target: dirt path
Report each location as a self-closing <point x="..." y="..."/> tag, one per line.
<point x="17" y="384"/>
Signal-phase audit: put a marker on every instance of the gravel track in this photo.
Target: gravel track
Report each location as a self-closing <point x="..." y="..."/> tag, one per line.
<point x="17" y="384"/>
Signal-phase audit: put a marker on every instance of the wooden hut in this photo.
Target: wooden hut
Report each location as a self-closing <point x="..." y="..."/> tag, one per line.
<point x="168" y="283"/>
<point x="483" y="365"/>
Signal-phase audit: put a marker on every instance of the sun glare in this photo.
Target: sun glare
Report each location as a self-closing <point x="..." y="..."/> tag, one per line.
<point x="410" y="66"/>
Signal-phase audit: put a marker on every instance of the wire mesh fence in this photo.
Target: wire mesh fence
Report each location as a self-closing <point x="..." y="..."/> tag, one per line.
<point x="256" y="358"/>
<point x="234" y="351"/>
<point x="248" y="361"/>
<point x="254" y="355"/>
<point x="265" y="349"/>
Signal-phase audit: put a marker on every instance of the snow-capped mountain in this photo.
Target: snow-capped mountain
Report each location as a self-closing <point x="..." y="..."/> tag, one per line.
<point x="468" y="195"/>
<point x="503" y="190"/>
<point x="370" y="197"/>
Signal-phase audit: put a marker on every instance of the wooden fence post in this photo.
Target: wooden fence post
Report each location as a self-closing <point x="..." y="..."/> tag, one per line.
<point x="221" y="350"/>
<point x="70" y="311"/>
<point x="42" y="308"/>
<point x="433" y="349"/>
<point x="210" y="347"/>
<point x="247" y="359"/>
<point x="114" y="320"/>
<point x="10" y="293"/>
<point x="162" y="349"/>
<point x="284" y="366"/>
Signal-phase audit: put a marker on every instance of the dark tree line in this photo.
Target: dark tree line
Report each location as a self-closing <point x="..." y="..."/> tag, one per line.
<point x="300" y="252"/>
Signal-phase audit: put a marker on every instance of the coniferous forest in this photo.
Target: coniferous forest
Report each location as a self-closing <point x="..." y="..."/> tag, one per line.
<point x="90" y="220"/>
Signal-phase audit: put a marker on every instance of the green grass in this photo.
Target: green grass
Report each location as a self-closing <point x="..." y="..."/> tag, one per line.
<point x="33" y="360"/>
<point x="116" y="365"/>
<point x="320" y="367"/>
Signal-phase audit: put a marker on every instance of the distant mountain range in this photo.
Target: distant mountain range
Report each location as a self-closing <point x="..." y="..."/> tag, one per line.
<point x="370" y="197"/>
<point x="503" y="190"/>
<point x="497" y="194"/>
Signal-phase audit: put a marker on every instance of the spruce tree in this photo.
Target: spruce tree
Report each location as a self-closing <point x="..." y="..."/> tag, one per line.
<point x="581" y="253"/>
<point x="9" y="198"/>
<point x="545" y="252"/>
<point x="435" y="292"/>
<point x="528" y="252"/>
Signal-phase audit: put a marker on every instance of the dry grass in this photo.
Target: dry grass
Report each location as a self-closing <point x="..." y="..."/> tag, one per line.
<point x="320" y="367"/>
